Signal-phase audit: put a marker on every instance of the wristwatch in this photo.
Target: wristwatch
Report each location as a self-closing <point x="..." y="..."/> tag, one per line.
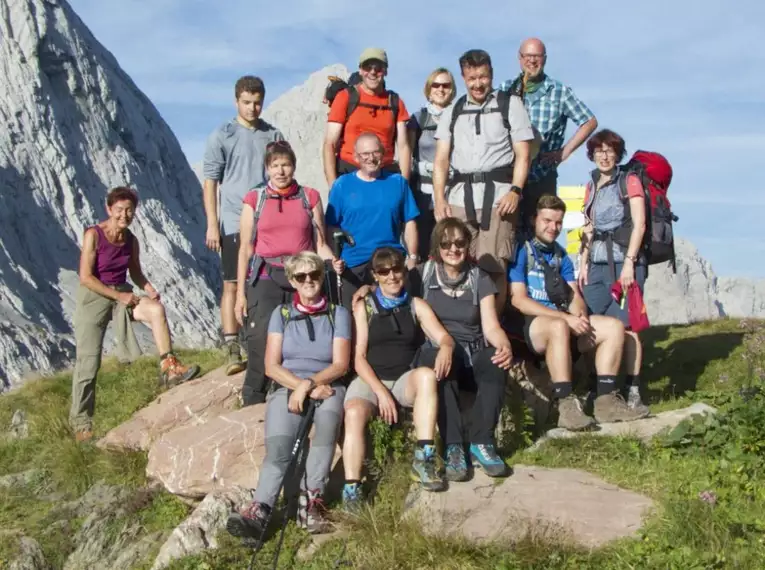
<point x="414" y="257"/>
<point x="517" y="189"/>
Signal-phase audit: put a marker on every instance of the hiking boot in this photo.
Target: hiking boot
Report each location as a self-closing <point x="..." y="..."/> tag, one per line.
<point x="571" y="414"/>
<point x="352" y="499"/>
<point x="456" y="462"/>
<point x="312" y="514"/>
<point x="83" y="435"/>
<point x="250" y="522"/>
<point x="484" y="455"/>
<point x="635" y="403"/>
<point x="172" y="372"/>
<point x="425" y="469"/>
<point x="234" y="364"/>
<point x="612" y="408"/>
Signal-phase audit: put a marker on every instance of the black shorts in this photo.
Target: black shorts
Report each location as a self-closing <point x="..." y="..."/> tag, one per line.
<point x="575" y="353"/>
<point x="229" y="256"/>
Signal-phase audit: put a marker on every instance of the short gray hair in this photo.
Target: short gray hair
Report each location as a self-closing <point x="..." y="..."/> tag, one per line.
<point x="309" y="258"/>
<point x="367" y="135"/>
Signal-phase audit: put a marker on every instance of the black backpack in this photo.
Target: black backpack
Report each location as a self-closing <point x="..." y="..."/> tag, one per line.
<point x="423" y="122"/>
<point x="503" y="107"/>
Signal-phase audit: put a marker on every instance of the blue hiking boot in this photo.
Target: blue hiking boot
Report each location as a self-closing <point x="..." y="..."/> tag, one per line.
<point x="425" y="469"/>
<point x="484" y="455"/>
<point x="456" y="462"/>
<point x="352" y="499"/>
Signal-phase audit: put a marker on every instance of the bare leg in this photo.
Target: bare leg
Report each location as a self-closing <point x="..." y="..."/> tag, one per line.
<point x="227" y="301"/>
<point x="152" y="313"/>
<point x="357" y="415"/>
<point x="609" y="343"/>
<point x="422" y="387"/>
<point x="633" y="353"/>
<point x="552" y="338"/>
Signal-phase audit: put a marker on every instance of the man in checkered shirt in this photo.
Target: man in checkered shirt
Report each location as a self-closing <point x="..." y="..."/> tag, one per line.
<point x="550" y="104"/>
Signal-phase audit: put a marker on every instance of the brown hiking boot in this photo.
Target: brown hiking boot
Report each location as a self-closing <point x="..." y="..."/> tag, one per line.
<point x="83" y="435"/>
<point x="612" y="408"/>
<point x="234" y="364"/>
<point x="172" y="372"/>
<point x="571" y="414"/>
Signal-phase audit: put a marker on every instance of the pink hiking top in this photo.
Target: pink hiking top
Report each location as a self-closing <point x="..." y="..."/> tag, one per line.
<point x="112" y="260"/>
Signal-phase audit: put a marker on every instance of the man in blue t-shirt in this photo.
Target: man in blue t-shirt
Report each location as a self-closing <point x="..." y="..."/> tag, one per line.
<point x="373" y="207"/>
<point x="556" y="323"/>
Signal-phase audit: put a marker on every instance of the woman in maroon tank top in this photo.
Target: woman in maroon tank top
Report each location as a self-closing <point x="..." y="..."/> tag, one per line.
<point x="109" y="252"/>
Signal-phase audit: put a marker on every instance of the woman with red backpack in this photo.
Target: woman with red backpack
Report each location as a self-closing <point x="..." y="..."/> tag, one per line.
<point x="614" y="247"/>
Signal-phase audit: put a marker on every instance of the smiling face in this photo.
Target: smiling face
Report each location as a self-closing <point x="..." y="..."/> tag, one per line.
<point x="307" y="281"/>
<point x="532" y="56"/>
<point x="478" y="82"/>
<point x="281" y="172"/>
<point x="548" y="225"/>
<point x="605" y="158"/>
<point x="390" y="277"/>
<point x="369" y="154"/>
<point x="453" y="247"/>
<point x="373" y="73"/>
<point x="121" y="213"/>
<point x="441" y="89"/>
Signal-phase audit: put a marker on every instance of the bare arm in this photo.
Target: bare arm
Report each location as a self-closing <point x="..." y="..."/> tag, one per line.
<point x="441" y="175"/>
<point x="520" y="299"/>
<point x="88" y="262"/>
<point x="410" y="237"/>
<point x="490" y="326"/>
<point x="321" y="232"/>
<point x="404" y="149"/>
<point x="360" y="363"/>
<point x="331" y="140"/>
<point x="578" y="306"/>
<point x="341" y="360"/>
<point x="210" y="197"/>
<point x="522" y="163"/>
<point x="246" y="225"/>
<point x="578" y="138"/>
<point x="273" y="362"/>
<point x="431" y="326"/>
<point x="637" y="211"/>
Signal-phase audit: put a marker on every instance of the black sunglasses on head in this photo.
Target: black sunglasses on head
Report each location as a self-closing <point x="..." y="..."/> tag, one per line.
<point x="301" y="277"/>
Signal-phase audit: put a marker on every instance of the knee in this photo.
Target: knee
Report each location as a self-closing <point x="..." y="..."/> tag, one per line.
<point x="559" y="331"/>
<point x="356" y="417"/>
<point x="425" y="378"/>
<point x="156" y="311"/>
<point x="279" y="449"/>
<point x="616" y="330"/>
<point x="326" y="425"/>
<point x="632" y="338"/>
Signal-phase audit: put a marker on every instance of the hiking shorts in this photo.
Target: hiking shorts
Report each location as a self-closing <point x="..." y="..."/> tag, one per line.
<point x="574" y="340"/>
<point x="495" y="248"/>
<point x="358" y="389"/>
<point x="597" y="292"/>
<point x="229" y="256"/>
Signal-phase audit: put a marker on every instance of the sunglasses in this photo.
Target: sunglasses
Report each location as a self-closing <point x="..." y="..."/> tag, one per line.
<point x="384" y="271"/>
<point x="435" y="85"/>
<point x="301" y="277"/>
<point x="379" y="67"/>
<point x="460" y="243"/>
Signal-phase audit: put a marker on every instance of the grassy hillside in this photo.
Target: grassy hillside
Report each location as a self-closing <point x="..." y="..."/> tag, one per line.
<point x="707" y="479"/>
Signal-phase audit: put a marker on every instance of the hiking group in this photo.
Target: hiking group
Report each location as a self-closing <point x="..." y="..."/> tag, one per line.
<point x="417" y="281"/>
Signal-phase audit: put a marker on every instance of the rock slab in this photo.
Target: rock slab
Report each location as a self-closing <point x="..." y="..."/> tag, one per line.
<point x="553" y="504"/>
<point x="31" y="556"/>
<point x="192" y="403"/>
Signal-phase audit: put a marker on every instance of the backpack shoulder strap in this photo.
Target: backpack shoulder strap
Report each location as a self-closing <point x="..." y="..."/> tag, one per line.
<point x="428" y="270"/>
<point x="370" y="306"/>
<point x="262" y="197"/>
<point x="475" y="275"/>
<point x="503" y="102"/>
<point x="393" y="101"/>
<point x="459" y="105"/>
<point x="353" y="101"/>
<point x="286" y="314"/>
<point x="331" y="315"/>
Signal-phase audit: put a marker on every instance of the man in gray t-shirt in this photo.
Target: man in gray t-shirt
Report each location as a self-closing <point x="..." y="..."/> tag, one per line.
<point x="233" y="165"/>
<point x="485" y="137"/>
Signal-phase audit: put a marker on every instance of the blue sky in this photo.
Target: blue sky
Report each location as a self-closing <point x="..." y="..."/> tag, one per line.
<point x="687" y="82"/>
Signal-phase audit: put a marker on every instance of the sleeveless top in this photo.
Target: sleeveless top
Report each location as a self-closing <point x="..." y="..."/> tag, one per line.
<point x="112" y="260"/>
<point x="394" y="338"/>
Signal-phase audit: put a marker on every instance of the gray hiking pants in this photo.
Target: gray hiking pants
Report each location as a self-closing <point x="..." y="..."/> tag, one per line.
<point x="281" y="430"/>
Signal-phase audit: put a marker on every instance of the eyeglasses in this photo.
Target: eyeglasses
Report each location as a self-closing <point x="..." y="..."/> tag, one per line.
<point x="384" y="271"/>
<point x="605" y="152"/>
<point x="533" y="55"/>
<point x="371" y="154"/>
<point x="301" y="277"/>
<point x="459" y="243"/>
<point x="435" y="85"/>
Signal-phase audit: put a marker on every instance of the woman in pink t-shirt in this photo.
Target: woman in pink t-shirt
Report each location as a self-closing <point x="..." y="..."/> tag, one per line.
<point x="290" y="220"/>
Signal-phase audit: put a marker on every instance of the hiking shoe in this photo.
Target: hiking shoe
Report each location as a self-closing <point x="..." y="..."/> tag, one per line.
<point x="172" y="372"/>
<point x="485" y="456"/>
<point x="83" y="435"/>
<point x="352" y="499"/>
<point x="250" y="522"/>
<point x="234" y="364"/>
<point x="612" y="408"/>
<point x="635" y="403"/>
<point x="425" y="469"/>
<point x="456" y="462"/>
<point x="312" y="513"/>
<point x="571" y="414"/>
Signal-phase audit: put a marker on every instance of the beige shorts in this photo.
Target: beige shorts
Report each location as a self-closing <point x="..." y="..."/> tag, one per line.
<point x="495" y="248"/>
<point x="358" y="389"/>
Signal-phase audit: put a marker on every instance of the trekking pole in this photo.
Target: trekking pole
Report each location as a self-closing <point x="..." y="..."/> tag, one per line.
<point x="295" y="454"/>
<point x="340" y="238"/>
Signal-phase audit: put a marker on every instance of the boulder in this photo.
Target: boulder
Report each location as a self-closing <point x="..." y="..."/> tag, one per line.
<point x="561" y="505"/>
<point x="200" y="458"/>
<point x="198" y="532"/>
<point x="196" y="402"/>
<point x="30" y="557"/>
<point x="644" y="429"/>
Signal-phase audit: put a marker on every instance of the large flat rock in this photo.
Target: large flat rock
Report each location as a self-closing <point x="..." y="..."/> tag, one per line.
<point x="194" y="403"/>
<point x="555" y="504"/>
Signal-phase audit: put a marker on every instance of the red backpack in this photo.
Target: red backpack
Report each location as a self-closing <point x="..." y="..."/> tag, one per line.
<point x="655" y="175"/>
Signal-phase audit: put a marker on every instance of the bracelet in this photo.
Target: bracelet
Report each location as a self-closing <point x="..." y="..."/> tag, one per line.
<point x="313" y="384"/>
<point x="632" y="258"/>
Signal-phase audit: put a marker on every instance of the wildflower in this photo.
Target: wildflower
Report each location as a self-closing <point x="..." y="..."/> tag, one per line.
<point x="708" y="497"/>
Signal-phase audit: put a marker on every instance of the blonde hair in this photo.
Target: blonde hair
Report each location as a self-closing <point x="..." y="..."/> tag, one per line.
<point x="432" y="77"/>
<point x="309" y="258"/>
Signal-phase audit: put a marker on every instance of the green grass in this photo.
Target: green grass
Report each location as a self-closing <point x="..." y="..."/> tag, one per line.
<point x="707" y="362"/>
